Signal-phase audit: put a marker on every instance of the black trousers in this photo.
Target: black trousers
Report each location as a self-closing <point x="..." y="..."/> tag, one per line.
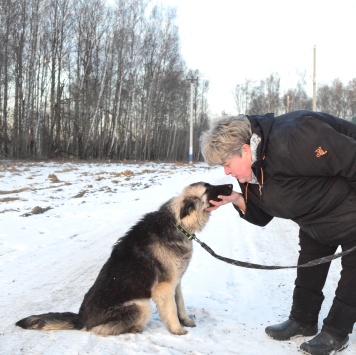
<point x="308" y="296"/>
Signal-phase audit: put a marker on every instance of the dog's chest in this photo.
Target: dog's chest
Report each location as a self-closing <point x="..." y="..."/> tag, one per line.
<point x="173" y="257"/>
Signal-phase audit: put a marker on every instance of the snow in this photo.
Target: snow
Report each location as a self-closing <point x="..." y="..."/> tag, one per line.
<point x="49" y="260"/>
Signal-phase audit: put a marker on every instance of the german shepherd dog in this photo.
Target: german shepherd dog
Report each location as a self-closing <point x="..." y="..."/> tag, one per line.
<point x="147" y="262"/>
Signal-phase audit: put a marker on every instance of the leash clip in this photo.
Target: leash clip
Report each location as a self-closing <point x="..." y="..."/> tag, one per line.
<point x="191" y="236"/>
<point x="184" y="232"/>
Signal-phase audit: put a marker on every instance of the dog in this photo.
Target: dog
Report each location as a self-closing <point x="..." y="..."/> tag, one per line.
<point x="147" y="262"/>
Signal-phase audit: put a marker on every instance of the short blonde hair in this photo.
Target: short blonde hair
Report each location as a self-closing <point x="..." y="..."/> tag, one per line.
<point x="225" y="139"/>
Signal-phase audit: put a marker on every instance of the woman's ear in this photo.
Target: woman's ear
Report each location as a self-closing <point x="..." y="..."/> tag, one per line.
<point x="246" y="149"/>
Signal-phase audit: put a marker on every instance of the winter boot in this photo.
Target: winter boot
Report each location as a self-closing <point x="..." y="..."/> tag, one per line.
<point x="324" y="344"/>
<point x="290" y="329"/>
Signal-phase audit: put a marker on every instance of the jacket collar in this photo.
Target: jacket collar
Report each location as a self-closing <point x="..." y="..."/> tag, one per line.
<point x="261" y="125"/>
<point x="255" y="142"/>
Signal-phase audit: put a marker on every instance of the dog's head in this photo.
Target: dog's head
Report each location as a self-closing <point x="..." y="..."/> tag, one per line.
<point x="195" y="199"/>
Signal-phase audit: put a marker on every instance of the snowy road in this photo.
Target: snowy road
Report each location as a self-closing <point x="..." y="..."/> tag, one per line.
<point x="49" y="260"/>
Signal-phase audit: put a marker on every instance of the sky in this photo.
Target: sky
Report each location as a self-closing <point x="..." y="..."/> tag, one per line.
<point x="49" y="260"/>
<point x="230" y="41"/>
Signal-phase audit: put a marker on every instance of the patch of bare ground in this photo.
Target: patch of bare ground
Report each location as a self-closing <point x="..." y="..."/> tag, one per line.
<point x="106" y="189"/>
<point x="18" y="165"/>
<point x="80" y="194"/>
<point x="9" y="210"/>
<point x="36" y="210"/>
<point x="53" y="178"/>
<point x="9" y="199"/>
<point x="58" y="187"/>
<point x="127" y="174"/>
<point x="9" y="167"/>
<point x="14" y="191"/>
<point x="66" y="170"/>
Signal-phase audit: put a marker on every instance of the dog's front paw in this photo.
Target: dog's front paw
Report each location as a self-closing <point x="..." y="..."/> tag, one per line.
<point x="178" y="331"/>
<point x="187" y="322"/>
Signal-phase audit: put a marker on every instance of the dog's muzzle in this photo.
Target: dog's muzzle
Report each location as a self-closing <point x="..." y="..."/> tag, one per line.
<point x="215" y="190"/>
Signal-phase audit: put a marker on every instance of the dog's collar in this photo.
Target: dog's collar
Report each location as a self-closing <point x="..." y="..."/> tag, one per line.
<point x="184" y="232"/>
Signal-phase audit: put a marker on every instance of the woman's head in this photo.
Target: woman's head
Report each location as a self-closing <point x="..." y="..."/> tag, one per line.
<point x="225" y="139"/>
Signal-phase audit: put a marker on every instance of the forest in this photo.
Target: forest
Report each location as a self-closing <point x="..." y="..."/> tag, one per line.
<point x="93" y="79"/>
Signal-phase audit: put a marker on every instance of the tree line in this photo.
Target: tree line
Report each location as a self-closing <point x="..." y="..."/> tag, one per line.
<point x="253" y="97"/>
<point x="93" y="79"/>
<point x="87" y="79"/>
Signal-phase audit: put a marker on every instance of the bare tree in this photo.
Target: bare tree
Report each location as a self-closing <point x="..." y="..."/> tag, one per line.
<point x="323" y="99"/>
<point x="18" y="40"/>
<point x="257" y="99"/>
<point x="351" y="97"/>
<point x="242" y="95"/>
<point x="7" y="19"/>
<point x="297" y="98"/>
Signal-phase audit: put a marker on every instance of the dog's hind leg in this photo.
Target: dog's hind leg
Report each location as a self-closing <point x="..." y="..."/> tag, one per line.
<point x="163" y="296"/>
<point x="182" y="313"/>
<point x="129" y="317"/>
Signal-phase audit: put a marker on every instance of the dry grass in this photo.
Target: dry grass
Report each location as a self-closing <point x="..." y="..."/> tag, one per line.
<point x="15" y="191"/>
<point x="36" y="210"/>
<point x="53" y="178"/>
<point x="9" y="199"/>
<point x="80" y="194"/>
<point x="125" y="173"/>
<point x="66" y="170"/>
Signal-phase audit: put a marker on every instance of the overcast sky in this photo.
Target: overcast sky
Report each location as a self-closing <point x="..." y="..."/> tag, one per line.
<point x="233" y="40"/>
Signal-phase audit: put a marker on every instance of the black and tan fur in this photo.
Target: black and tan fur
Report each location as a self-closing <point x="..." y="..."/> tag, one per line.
<point x="147" y="262"/>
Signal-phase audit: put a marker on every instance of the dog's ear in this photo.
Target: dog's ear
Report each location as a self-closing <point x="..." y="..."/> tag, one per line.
<point x="188" y="206"/>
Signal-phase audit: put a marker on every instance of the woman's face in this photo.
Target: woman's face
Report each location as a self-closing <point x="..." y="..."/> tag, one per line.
<point x="240" y="167"/>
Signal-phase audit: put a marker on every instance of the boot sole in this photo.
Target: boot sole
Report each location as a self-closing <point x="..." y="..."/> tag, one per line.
<point x="306" y="334"/>
<point x="333" y="352"/>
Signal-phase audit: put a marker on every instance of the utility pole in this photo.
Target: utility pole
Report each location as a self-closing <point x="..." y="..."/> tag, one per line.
<point x="192" y="81"/>
<point x="288" y="103"/>
<point x="314" y="80"/>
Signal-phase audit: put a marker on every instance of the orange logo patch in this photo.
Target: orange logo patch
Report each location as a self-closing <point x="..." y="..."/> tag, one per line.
<point x="319" y="152"/>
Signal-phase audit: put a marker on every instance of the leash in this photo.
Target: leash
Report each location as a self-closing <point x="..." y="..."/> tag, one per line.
<point x="248" y="265"/>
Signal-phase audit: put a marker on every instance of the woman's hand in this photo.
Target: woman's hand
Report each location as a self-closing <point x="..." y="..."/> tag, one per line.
<point x="235" y="198"/>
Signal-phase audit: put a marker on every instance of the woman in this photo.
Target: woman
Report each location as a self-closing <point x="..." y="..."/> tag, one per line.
<point x="300" y="166"/>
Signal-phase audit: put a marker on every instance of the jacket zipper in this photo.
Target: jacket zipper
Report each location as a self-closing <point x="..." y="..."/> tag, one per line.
<point x="260" y="184"/>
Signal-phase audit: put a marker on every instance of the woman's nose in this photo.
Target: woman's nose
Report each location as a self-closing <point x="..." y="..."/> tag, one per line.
<point x="227" y="170"/>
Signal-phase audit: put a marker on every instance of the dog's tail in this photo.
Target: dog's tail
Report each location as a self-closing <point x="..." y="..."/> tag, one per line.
<point x="51" y="321"/>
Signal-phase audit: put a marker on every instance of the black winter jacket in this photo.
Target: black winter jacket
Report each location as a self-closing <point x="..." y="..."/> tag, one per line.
<point x="306" y="169"/>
